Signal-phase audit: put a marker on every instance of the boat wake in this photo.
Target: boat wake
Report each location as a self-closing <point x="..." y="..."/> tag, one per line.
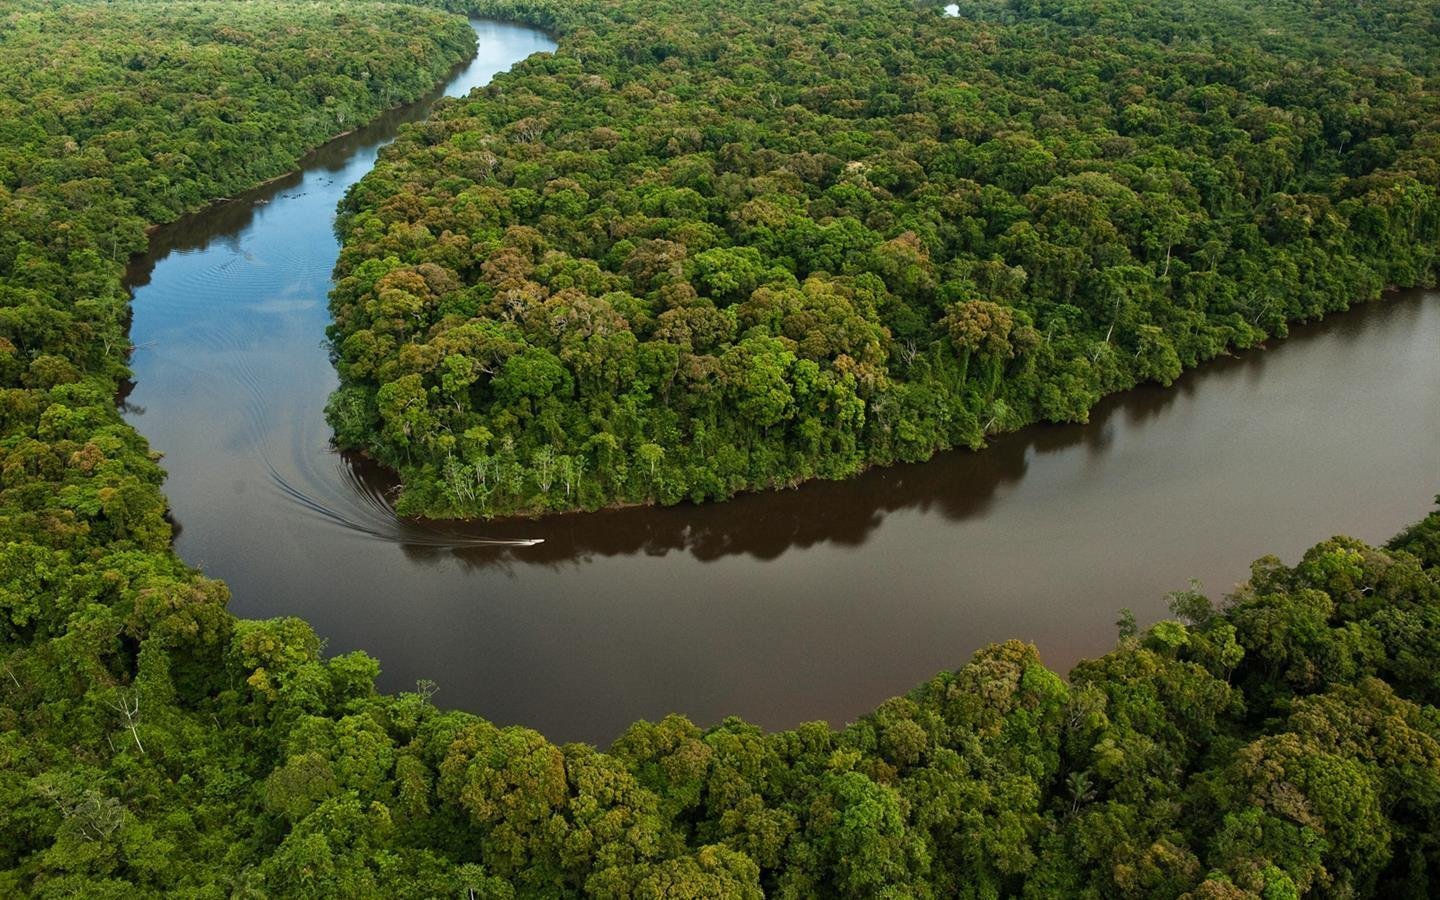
<point x="372" y="514"/>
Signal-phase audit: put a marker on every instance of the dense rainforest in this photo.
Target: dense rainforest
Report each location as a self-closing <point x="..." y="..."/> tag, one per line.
<point x="114" y="117"/>
<point x="1283" y="741"/>
<point x="688" y="255"/>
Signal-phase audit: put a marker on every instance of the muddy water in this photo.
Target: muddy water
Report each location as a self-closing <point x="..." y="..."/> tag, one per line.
<point x="809" y="604"/>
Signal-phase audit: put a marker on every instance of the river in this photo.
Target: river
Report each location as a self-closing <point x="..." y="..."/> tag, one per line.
<point x="816" y="603"/>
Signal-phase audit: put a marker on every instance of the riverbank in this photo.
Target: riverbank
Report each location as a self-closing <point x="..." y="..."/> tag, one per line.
<point x="257" y="190"/>
<point x="162" y="737"/>
<point x="390" y="482"/>
<point x="775" y="307"/>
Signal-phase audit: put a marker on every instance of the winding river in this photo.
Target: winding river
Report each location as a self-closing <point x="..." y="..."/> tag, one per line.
<point x="816" y="603"/>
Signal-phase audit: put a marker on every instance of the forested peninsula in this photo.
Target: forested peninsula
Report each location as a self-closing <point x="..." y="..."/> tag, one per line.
<point x="1285" y="740"/>
<point x="691" y="255"/>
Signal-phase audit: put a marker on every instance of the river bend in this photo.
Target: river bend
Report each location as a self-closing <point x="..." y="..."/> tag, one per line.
<point x="816" y="603"/>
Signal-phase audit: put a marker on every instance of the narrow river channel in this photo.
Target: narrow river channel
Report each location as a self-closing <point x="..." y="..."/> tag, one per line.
<point x="810" y="604"/>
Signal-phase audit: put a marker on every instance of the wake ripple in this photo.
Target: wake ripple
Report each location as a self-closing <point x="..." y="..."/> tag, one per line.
<point x="378" y="520"/>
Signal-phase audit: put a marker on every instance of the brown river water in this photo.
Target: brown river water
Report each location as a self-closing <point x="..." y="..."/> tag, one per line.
<point x="815" y="603"/>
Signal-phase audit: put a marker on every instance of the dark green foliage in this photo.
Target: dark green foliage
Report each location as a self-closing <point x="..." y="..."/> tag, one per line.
<point x="691" y="253"/>
<point x="1202" y="757"/>
<point x="151" y="743"/>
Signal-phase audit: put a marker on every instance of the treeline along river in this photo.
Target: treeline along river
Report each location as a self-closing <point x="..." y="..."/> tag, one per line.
<point x="809" y="604"/>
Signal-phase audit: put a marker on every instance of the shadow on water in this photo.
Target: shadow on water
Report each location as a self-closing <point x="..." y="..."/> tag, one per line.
<point x="224" y="221"/>
<point x="813" y="603"/>
<point x="957" y="485"/>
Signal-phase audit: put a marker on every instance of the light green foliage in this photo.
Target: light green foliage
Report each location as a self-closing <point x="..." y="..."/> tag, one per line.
<point x="777" y="308"/>
<point x="781" y="241"/>
<point x="1182" y="763"/>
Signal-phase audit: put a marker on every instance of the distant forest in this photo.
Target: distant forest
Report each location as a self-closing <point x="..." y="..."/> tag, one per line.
<point x="840" y="236"/>
<point x="689" y="255"/>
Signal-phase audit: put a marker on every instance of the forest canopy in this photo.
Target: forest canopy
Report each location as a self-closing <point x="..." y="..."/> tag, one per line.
<point x="693" y="254"/>
<point x="1284" y="740"/>
<point x="116" y="116"/>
